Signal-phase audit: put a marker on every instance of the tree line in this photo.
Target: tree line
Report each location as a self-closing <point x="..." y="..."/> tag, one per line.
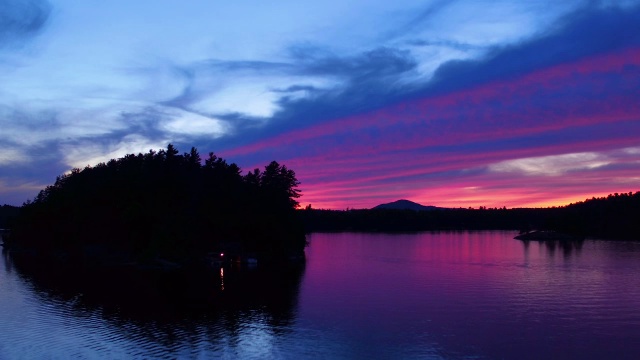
<point x="614" y="216"/>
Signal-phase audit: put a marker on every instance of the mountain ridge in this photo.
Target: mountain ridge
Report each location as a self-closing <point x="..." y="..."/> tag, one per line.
<point x="404" y="204"/>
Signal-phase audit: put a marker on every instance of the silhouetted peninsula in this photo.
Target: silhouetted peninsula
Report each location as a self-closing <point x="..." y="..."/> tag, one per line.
<point x="405" y="205"/>
<point x="163" y="209"/>
<point x="544" y="235"/>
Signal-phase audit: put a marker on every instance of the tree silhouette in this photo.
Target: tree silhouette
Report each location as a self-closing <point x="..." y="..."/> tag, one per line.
<point x="280" y="186"/>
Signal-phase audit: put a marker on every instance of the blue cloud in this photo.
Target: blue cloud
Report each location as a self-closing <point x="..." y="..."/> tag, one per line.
<point x="374" y="76"/>
<point x="22" y="19"/>
<point x="373" y="79"/>
<point x="587" y="31"/>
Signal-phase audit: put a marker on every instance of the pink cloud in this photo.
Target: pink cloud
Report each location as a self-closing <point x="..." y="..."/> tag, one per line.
<point x="436" y="150"/>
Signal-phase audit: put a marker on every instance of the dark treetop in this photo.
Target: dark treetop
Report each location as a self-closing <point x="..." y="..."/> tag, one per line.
<point x="163" y="205"/>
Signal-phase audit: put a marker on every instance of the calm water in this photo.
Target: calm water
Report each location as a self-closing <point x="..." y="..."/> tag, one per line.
<point x="457" y="295"/>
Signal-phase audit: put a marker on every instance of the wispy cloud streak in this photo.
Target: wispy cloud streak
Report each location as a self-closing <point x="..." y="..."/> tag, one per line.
<point x="497" y="127"/>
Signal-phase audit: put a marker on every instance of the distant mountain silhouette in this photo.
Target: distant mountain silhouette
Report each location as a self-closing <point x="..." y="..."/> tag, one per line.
<point x="405" y="205"/>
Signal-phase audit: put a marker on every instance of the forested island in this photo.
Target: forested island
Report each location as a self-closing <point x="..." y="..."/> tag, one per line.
<point x="163" y="208"/>
<point x="611" y="217"/>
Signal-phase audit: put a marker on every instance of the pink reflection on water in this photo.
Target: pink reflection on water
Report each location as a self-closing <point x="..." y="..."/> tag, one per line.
<point x="475" y="292"/>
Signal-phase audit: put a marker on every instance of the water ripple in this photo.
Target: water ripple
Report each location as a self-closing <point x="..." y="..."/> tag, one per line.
<point x="435" y="296"/>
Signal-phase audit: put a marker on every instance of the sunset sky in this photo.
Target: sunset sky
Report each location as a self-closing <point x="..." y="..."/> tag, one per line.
<point x="446" y="103"/>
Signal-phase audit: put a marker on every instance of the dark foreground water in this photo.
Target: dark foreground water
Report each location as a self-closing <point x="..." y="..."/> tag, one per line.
<point x="360" y="296"/>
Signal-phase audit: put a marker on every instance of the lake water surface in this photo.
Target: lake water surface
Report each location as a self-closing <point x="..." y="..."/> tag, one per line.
<point x="448" y="295"/>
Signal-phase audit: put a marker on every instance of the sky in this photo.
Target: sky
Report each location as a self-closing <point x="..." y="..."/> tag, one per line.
<point x="449" y="103"/>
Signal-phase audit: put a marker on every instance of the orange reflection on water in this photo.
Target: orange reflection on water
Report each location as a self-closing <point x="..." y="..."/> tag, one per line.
<point x="222" y="279"/>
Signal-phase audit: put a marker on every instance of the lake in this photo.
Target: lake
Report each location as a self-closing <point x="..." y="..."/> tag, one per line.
<point x="440" y="295"/>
